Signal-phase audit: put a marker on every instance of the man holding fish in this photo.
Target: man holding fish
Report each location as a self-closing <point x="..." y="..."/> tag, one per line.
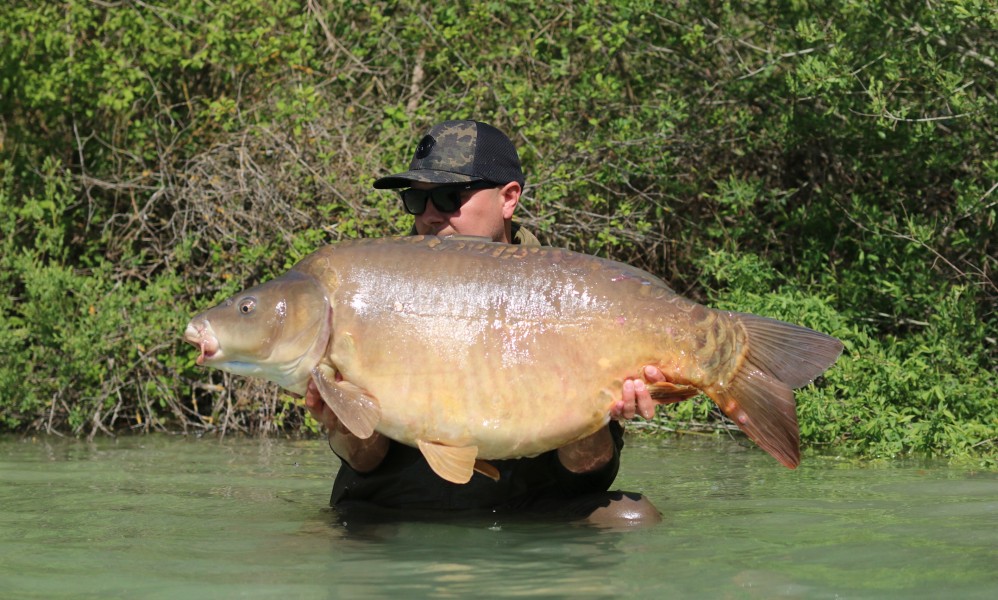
<point x="497" y="367"/>
<point x="465" y="180"/>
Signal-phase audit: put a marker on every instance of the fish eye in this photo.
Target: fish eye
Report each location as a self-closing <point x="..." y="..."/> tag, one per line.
<point x="247" y="305"/>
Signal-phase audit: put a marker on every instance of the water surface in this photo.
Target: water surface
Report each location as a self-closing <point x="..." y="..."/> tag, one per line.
<point x="169" y="517"/>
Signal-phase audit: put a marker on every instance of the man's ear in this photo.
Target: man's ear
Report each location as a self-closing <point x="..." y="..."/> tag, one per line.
<point x="510" y="194"/>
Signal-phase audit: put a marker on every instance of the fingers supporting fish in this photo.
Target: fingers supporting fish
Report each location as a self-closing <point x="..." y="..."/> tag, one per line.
<point x="318" y="408"/>
<point x="638" y="398"/>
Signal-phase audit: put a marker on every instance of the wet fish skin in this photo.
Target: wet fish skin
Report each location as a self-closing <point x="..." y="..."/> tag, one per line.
<point x="474" y="350"/>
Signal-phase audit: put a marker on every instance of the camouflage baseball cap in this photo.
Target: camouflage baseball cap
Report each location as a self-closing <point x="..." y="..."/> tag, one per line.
<point x="459" y="152"/>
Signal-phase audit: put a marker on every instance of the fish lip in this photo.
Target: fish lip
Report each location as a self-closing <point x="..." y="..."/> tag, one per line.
<point x="206" y="353"/>
<point x="209" y="350"/>
<point x="201" y="338"/>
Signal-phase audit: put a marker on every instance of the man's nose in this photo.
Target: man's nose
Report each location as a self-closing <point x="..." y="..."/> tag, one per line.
<point x="431" y="214"/>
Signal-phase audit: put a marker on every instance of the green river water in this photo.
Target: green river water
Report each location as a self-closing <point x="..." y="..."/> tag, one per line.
<point x="172" y="517"/>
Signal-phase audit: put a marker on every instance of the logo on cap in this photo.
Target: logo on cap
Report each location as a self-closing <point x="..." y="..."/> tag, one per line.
<point x="425" y="145"/>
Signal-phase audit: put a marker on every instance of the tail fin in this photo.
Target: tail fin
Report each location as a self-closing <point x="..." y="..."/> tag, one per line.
<point x="778" y="358"/>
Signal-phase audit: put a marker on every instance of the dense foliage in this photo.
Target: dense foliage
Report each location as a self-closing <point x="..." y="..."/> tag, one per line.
<point x="828" y="162"/>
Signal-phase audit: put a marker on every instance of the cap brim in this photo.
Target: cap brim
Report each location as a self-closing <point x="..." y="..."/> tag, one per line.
<point x="401" y="180"/>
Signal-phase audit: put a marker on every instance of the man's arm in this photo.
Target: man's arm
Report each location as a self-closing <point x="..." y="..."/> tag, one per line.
<point x="362" y="455"/>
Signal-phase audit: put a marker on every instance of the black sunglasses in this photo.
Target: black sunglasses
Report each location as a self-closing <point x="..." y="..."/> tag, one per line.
<point x="446" y="199"/>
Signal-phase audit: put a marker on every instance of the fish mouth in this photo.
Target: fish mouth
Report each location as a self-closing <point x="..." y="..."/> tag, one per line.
<point x="200" y="337"/>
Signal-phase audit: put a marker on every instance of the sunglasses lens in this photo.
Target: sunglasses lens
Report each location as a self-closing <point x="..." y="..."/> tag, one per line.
<point x="414" y="201"/>
<point x="444" y="200"/>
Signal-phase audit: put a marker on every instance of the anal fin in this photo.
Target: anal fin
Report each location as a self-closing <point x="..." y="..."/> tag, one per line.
<point x="453" y="463"/>
<point x="359" y="411"/>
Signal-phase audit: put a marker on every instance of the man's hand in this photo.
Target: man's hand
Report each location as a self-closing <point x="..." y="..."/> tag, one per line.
<point x="318" y="408"/>
<point x="361" y="455"/>
<point x="595" y="451"/>
<point x="635" y="398"/>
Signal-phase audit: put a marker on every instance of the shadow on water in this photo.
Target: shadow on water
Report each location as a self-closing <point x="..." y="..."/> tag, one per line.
<point x="165" y="517"/>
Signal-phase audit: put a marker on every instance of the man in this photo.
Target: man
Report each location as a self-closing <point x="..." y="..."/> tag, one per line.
<point x="465" y="179"/>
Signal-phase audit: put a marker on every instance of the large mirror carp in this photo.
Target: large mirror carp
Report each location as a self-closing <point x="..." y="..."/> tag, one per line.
<point x="472" y="350"/>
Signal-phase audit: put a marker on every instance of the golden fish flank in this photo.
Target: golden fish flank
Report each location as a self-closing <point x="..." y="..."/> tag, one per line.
<point x="471" y="350"/>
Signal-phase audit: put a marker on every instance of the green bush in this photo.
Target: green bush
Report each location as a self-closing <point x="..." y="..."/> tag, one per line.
<point x="925" y="393"/>
<point x="830" y="162"/>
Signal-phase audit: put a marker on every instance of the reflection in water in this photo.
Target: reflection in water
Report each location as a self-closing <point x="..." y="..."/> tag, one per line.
<point x="166" y="517"/>
<point x="463" y="556"/>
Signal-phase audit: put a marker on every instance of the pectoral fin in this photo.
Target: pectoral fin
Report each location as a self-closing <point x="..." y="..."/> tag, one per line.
<point x="453" y="463"/>
<point x="359" y="411"/>
<point x="670" y="393"/>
